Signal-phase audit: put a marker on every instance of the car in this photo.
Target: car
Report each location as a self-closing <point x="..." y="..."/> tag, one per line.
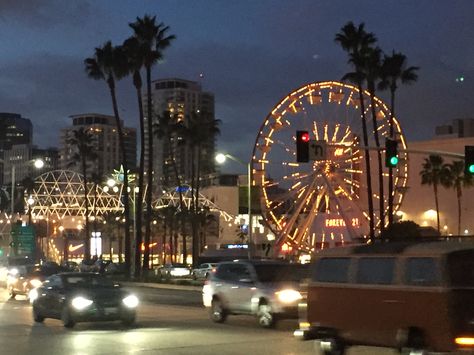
<point x="203" y="271"/>
<point x="68" y="265"/>
<point x="87" y="265"/>
<point x="168" y="271"/>
<point x="83" y="297"/>
<point x="100" y="265"/>
<point x="267" y="289"/>
<point x="21" y="280"/>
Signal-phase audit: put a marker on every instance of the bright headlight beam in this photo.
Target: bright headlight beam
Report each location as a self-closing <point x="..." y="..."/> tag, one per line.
<point x="35" y="283"/>
<point x="288" y="296"/>
<point x="130" y="301"/>
<point x="80" y="303"/>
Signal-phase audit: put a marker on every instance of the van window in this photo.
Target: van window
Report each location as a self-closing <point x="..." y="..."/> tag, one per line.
<point x="461" y="268"/>
<point x="422" y="272"/>
<point x="332" y="270"/>
<point x="377" y="271"/>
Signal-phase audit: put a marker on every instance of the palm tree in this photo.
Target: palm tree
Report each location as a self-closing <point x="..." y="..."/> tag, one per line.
<point x="371" y="64"/>
<point x="134" y="52"/>
<point x="434" y="173"/>
<point x="355" y="41"/>
<point x="153" y="40"/>
<point x="82" y="140"/>
<point x="458" y="180"/>
<point x="109" y="63"/>
<point x="393" y="71"/>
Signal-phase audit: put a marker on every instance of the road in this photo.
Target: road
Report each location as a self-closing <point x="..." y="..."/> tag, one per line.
<point x="169" y="322"/>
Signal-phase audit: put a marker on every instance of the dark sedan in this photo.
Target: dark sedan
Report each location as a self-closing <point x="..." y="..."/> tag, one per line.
<point x="83" y="297"/>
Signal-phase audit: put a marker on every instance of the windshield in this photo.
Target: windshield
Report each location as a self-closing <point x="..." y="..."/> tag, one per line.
<point x="88" y="281"/>
<point x="281" y="272"/>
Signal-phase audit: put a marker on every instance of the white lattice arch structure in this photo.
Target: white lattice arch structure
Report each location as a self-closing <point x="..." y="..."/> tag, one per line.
<point x="171" y="198"/>
<point x="60" y="193"/>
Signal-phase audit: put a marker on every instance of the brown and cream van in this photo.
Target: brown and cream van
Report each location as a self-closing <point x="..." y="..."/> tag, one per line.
<point x="410" y="296"/>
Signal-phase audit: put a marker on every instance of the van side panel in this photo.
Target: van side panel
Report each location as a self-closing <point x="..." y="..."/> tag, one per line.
<point x="372" y="315"/>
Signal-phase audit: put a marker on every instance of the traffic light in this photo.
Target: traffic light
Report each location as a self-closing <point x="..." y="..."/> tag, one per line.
<point x="469" y="160"/>
<point x="302" y="146"/>
<point x="391" y="153"/>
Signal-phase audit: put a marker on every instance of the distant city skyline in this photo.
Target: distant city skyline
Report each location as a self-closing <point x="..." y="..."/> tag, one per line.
<point x="249" y="54"/>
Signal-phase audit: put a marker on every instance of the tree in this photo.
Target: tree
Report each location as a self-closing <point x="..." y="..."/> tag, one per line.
<point x="152" y="41"/>
<point x="109" y="63"/>
<point x="403" y="230"/>
<point x="355" y="40"/>
<point x="457" y="180"/>
<point x="434" y="173"/>
<point x="83" y="142"/>
<point x="393" y="71"/>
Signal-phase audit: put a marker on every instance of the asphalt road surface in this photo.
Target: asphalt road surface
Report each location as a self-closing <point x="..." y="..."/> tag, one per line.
<point x="169" y="322"/>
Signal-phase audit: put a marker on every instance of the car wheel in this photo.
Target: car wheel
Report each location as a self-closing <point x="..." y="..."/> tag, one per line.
<point x="37" y="316"/>
<point x="129" y="320"/>
<point x="12" y="293"/>
<point x="67" y="319"/>
<point x="265" y="317"/>
<point x="206" y="276"/>
<point x="330" y="346"/>
<point x="194" y="276"/>
<point x="218" y="313"/>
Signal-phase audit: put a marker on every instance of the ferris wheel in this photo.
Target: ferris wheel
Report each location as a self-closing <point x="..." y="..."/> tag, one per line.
<point x="324" y="202"/>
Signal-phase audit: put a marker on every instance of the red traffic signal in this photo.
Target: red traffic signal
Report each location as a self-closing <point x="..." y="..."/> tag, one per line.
<point x="302" y="146"/>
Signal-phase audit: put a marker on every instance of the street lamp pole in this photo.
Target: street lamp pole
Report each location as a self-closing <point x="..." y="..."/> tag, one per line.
<point x="13" y="193"/>
<point x="220" y="158"/>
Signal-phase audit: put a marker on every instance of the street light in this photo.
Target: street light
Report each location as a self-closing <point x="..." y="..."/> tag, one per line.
<point x="220" y="159"/>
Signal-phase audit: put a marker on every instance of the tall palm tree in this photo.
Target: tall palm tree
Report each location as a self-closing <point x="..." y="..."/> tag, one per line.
<point x="434" y="173"/>
<point x="458" y="180"/>
<point x="134" y="52"/>
<point x="355" y="41"/>
<point x="371" y="64"/>
<point x="110" y="64"/>
<point x="153" y="39"/>
<point x="393" y="71"/>
<point x="83" y="142"/>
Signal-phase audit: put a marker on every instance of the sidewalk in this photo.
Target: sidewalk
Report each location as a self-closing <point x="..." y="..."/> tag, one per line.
<point x="161" y="285"/>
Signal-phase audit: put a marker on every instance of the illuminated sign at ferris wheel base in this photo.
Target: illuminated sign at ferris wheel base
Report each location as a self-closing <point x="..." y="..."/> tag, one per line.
<point x="339" y="222"/>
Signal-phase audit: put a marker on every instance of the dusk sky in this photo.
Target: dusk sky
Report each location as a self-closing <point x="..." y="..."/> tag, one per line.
<point x="251" y="54"/>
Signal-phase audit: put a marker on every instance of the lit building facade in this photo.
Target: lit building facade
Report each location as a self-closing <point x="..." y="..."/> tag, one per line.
<point x="184" y="100"/>
<point x="106" y="144"/>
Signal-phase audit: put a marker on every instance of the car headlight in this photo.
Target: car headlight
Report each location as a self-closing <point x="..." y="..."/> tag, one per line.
<point x="130" y="301"/>
<point x="33" y="295"/>
<point x="13" y="271"/>
<point x="288" y="296"/>
<point x="80" y="303"/>
<point x="35" y="283"/>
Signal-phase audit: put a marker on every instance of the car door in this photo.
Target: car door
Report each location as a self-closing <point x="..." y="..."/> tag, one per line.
<point x="54" y="295"/>
<point x="242" y="288"/>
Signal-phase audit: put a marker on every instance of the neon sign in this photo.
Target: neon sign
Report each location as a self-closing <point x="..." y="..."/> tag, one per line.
<point x="339" y="222"/>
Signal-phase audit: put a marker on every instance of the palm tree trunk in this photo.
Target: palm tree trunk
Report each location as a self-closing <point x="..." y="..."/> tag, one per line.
<point x="138" y="201"/>
<point x="390" y="170"/>
<point x="149" y="190"/>
<point x="125" y="178"/>
<point x="196" y="231"/>
<point x="367" y="164"/>
<point x="459" y="195"/>
<point x="435" y="188"/>
<point x="379" y="159"/>
<point x="87" y="245"/>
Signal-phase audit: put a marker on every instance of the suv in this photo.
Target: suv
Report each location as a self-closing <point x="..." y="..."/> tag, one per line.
<point x="268" y="289"/>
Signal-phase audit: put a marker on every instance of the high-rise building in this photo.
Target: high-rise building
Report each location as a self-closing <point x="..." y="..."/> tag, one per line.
<point x="14" y="130"/>
<point x="185" y="101"/>
<point x="106" y="144"/>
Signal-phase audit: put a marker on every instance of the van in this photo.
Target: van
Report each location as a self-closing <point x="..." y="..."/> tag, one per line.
<point x="409" y="296"/>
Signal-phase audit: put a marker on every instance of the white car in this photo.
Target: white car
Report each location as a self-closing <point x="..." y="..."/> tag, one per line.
<point x="203" y="271"/>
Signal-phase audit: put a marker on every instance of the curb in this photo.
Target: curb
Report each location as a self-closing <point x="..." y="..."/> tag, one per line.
<point x="163" y="286"/>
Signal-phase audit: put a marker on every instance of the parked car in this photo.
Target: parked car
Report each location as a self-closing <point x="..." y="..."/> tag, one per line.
<point x="203" y="271"/>
<point x="87" y="265"/>
<point x="100" y="265"/>
<point x="264" y="288"/>
<point x="168" y="271"/>
<point x="70" y="266"/>
<point x="416" y="297"/>
<point x="115" y="269"/>
<point x="83" y="297"/>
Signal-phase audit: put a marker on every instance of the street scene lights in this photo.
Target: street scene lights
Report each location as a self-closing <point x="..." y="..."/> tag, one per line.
<point x="220" y="159"/>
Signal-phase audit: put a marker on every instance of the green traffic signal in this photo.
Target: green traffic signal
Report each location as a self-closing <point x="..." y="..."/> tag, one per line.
<point x="394" y="161"/>
<point x="471" y="168"/>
